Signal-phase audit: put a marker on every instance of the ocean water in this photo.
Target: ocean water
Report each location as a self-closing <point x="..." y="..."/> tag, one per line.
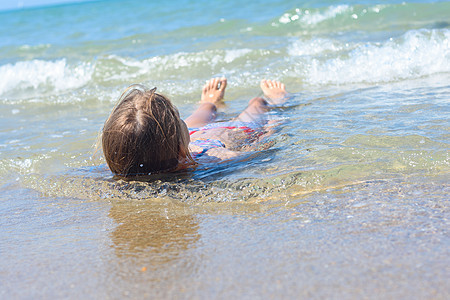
<point x="349" y="201"/>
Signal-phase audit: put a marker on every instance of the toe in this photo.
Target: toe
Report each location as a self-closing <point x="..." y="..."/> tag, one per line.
<point x="223" y="83"/>
<point x="264" y="84"/>
<point x="216" y="83"/>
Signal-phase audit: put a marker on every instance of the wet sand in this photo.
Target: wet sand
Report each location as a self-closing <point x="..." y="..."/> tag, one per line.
<point x="378" y="239"/>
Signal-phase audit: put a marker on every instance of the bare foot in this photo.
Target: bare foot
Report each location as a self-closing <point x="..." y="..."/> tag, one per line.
<point x="214" y="90"/>
<point x="274" y="90"/>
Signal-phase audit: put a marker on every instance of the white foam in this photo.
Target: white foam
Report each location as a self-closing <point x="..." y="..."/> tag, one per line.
<point x="190" y="60"/>
<point x="231" y="55"/>
<point x="172" y="66"/>
<point x="417" y="53"/>
<point x="40" y="74"/>
<point x="309" y="17"/>
<point x="316" y="46"/>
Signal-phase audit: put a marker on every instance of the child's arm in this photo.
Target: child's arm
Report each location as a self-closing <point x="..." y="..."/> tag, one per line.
<point x="221" y="154"/>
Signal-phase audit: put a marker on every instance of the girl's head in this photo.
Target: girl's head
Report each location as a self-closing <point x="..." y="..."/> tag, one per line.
<point x="144" y="134"/>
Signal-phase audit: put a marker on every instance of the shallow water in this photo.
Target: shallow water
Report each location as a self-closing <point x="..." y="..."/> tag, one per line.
<point x="349" y="201"/>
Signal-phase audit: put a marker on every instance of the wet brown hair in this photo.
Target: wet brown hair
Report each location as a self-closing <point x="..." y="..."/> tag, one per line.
<point x="143" y="134"/>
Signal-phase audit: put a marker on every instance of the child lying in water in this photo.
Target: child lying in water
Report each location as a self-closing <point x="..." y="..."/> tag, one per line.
<point x="144" y="133"/>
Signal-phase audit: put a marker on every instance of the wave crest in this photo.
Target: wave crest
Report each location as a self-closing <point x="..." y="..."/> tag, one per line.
<point x="47" y="76"/>
<point x="416" y="54"/>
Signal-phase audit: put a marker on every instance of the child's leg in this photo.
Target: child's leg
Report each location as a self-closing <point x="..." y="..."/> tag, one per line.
<point x="212" y="94"/>
<point x="274" y="91"/>
<point x="254" y="111"/>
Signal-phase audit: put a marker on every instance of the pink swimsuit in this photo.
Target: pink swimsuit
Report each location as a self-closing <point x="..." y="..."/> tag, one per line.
<point x="207" y="144"/>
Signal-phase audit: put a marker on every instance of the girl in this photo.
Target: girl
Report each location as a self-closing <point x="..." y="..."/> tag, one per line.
<point x="145" y="135"/>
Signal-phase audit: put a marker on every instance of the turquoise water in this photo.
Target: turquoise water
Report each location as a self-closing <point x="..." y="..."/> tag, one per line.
<point x="349" y="201"/>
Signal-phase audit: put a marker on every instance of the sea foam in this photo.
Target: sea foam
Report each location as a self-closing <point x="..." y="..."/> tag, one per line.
<point x="416" y="54"/>
<point x="309" y="17"/>
<point x="319" y="60"/>
<point x="43" y="75"/>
